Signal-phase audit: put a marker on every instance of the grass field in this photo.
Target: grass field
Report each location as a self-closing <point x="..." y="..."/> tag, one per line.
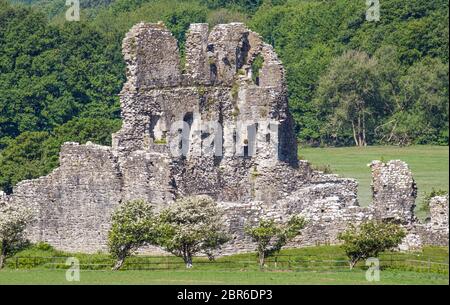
<point x="429" y="164"/>
<point x="311" y="265"/>
<point x="177" y="277"/>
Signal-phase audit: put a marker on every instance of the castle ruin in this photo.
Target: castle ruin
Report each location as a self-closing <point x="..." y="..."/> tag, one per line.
<point x="250" y="169"/>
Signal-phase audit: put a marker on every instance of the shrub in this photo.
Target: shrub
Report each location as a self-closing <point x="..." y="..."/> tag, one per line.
<point x="370" y="239"/>
<point x="271" y="237"/>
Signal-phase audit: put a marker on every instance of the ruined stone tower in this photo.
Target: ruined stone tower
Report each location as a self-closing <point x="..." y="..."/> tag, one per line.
<point x="216" y="90"/>
<point x="218" y="126"/>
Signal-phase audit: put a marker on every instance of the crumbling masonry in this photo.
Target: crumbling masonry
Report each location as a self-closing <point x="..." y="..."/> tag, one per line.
<point x="249" y="178"/>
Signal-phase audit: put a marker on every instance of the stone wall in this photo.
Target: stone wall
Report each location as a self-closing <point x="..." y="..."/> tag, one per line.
<point x="254" y="173"/>
<point x="394" y="191"/>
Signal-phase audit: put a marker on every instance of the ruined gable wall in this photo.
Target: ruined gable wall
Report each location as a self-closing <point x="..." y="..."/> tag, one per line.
<point x="215" y="86"/>
<point x="73" y="204"/>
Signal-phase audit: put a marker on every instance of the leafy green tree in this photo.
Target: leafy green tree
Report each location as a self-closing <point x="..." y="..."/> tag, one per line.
<point x="53" y="74"/>
<point x="23" y="159"/>
<point x="349" y="97"/>
<point x="191" y="225"/>
<point x="271" y="237"/>
<point x="179" y="20"/>
<point x="309" y="34"/>
<point x="425" y="94"/>
<point x="247" y="5"/>
<point x="369" y="239"/>
<point x="133" y="226"/>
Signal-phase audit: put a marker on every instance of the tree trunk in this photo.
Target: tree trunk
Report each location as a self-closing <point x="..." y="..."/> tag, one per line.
<point x="188" y="260"/>
<point x="187" y="257"/>
<point x="360" y="133"/>
<point x="262" y="260"/>
<point x="119" y="264"/>
<point x="3" y="255"/>
<point x="353" y="262"/>
<point x="354" y="134"/>
<point x="364" y="129"/>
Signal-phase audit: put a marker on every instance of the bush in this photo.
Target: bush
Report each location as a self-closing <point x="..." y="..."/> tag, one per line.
<point x="190" y="226"/>
<point x="132" y="227"/>
<point x="271" y="237"/>
<point x="370" y="239"/>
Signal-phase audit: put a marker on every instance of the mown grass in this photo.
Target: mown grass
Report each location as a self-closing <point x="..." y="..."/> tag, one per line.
<point x="196" y="277"/>
<point x="429" y="164"/>
<point x="40" y="264"/>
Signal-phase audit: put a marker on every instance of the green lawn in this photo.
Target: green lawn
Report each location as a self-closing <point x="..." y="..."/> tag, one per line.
<point x="176" y="277"/>
<point x="310" y="265"/>
<point x="429" y="164"/>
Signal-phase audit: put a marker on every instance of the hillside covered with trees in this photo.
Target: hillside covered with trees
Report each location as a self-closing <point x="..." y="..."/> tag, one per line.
<point x="351" y="81"/>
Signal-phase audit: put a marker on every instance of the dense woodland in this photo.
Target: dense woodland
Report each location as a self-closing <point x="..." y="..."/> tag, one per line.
<point x="351" y="81"/>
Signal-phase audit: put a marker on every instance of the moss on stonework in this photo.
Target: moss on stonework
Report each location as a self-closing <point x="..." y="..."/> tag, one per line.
<point x="202" y="91"/>
<point x="255" y="174"/>
<point x="263" y="112"/>
<point x="160" y="141"/>
<point x="235" y="91"/>
<point x="257" y="65"/>
<point x="235" y="112"/>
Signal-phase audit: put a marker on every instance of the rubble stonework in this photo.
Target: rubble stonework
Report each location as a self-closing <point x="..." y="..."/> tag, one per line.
<point x="250" y="178"/>
<point x="439" y="213"/>
<point x="394" y="191"/>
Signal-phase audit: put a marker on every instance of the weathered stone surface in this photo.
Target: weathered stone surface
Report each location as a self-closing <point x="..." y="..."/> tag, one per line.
<point x="439" y="212"/>
<point x="394" y="191"/>
<point x="256" y="173"/>
<point x="436" y="231"/>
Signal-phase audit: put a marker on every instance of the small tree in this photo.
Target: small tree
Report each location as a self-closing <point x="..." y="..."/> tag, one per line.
<point x="271" y="237"/>
<point x="133" y="225"/>
<point x="370" y="239"/>
<point x="13" y="221"/>
<point x="191" y="225"/>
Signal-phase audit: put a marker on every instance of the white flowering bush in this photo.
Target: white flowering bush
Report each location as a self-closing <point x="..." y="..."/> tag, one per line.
<point x="133" y="226"/>
<point x="13" y="221"/>
<point x="191" y="225"/>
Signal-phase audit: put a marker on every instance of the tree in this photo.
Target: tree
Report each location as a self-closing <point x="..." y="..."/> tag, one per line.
<point x="349" y="96"/>
<point x="133" y="226"/>
<point x="425" y="95"/>
<point x="190" y="226"/>
<point x="13" y="221"/>
<point x="34" y="154"/>
<point x="369" y="239"/>
<point x="271" y="237"/>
